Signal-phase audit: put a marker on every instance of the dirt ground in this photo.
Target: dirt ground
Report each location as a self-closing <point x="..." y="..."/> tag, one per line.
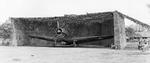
<point x="71" y="55"/>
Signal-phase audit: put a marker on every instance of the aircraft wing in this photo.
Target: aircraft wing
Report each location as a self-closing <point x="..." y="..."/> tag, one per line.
<point x="43" y="37"/>
<point x="78" y="40"/>
<point x="88" y="39"/>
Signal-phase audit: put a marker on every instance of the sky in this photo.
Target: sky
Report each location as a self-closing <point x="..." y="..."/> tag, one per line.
<point x="139" y="9"/>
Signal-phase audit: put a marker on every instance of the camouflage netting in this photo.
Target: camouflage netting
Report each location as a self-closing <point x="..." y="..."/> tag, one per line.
<point x="98" y="24"/>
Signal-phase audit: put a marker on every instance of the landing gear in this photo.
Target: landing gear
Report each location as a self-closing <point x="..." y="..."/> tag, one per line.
<point x="74" y="43"/>
<point x="55" y="43"/>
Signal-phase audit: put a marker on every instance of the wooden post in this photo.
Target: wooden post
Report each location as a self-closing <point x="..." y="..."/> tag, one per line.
<point x="119" y="31"/>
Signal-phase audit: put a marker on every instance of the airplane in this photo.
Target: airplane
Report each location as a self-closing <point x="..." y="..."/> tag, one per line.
<point x="75" y="41"/>
<point x="71" y="41"/>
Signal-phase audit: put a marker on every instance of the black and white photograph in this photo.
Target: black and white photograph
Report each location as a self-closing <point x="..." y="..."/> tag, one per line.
<point x="74" y="31"/>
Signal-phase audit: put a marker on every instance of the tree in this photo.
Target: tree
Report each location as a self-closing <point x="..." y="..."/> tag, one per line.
<point x="6" y="30"/>
<point x="131" y="32"/>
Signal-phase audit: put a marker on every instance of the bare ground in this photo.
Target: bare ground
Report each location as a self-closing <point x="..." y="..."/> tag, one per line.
<point x="71" y="55"/>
